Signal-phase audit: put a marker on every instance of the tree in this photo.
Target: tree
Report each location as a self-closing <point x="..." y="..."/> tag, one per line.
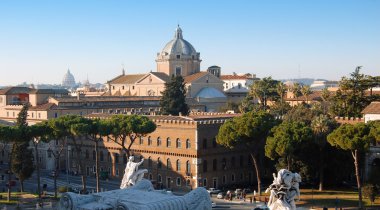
<point x="296" y="90"/>
<point x="351" y="98"/>
<point x="173" y="100"/>
<point x="123" y="127"/>
<point x="250" y="131"/>
<point x="264" y="90"/>
<point x="306" y="91"/>
<point x="322" y="126"/>
<point x="354" y="138"/>
<point x="9" y="134"/>
<point x="22" y="156"/>
<point x="287" y="140"/>
<point x="38" y="133"/>
<point x="74" y="128"/>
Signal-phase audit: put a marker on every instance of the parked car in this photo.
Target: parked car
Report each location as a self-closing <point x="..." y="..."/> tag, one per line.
<point x="221" y="195"/>
<point x="54" y="173"/>
<point x="213" y="191"/>
<point x="213" y="204"/>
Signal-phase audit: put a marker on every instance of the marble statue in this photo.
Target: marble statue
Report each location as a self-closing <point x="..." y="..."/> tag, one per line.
<point x="132" y="174"/>
<point x="284" y="190"/>
<point x="136" y="193"/>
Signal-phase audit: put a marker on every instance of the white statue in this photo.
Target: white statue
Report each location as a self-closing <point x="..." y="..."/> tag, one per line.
<point x="283" y="190"/>
<point x="132" y="174"/>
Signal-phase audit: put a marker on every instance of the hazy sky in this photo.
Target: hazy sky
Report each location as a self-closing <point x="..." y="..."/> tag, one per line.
<point x="40" y="39"/>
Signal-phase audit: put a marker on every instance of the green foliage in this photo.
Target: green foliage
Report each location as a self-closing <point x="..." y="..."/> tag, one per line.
<point x="351" y="98"/>
<point x="250" y="129"/>
<point x="352" y="137"/>
<point x="264" y="90"/>
<point x="173" y="97"/>
<point x="23" y="115"/>
<point x="287" y="140"/>
<point x="370" y="191"/>
<point x="22" y="160"/>
<point x="302" y="113"/>
<point x="132" y="126"/>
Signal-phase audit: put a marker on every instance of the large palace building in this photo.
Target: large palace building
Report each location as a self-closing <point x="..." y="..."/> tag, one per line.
<point x="180" y="154"/>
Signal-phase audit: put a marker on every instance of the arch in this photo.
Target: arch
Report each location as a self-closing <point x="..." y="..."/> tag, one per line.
<point x="168" y="142"/>
<point x="178" y="165"/>
<point x="101" y="156"/>
<point x="149" y="140"/>
<point x="159" y="178"/>
<point x="204" y="166"/>
<point x="188" y="167"/>
<point x="178" y="181"/>
<point x="159" y="141"/>
<point x="188" y="144"/>
<point x="87" y="155"/>
<point x="168" y="164"/>
<point x="159" y="164"/>
<point x="141" y="140"/>
<point x="178" y="143"/>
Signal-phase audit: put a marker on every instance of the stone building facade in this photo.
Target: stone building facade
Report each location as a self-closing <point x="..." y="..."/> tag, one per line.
<point x="181" y="154"/>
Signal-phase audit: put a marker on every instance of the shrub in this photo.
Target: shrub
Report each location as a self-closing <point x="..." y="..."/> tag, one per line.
<point x="370" y="191"/>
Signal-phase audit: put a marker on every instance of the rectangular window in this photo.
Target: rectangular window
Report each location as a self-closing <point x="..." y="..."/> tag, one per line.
<point x="178" y="56"/>
<point x="178" y="71"/>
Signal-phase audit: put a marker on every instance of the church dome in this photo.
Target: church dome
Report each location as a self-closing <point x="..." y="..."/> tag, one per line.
<point x="68" y="80"/>
<point x="178" y="46"/>
<point x="210" y="92"/>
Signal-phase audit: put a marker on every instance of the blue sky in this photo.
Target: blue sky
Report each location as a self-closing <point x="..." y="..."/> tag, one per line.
<point x="40" y="39"/>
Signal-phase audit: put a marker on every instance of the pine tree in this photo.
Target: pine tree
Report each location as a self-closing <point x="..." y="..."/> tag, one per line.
<point x="173" y="97"/>
<point x="22" y="157"/>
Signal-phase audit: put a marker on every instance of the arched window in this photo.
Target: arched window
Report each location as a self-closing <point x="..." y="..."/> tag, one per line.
<point x="149" y="141"/>
<point x="205" y="166"/>
<point x="233" y="177"/>
<point x="87" y="154"/>
<point x="109" y="157"/>
<point x="159" y="164"/>
<point x="93" y="155"/>
<point x="159" y="178"/>
<point x="224" y="164"/>
<point x="149" y="162"/>
<point x="214" y="164"/>
<point x="178" y="165"/>
<point x="204" y="143"/>
<point x="214" y="144"/>
<point x="168" y="164"/>
<point x="188" y="167"/>
<point x="141" y="140"/>
<point x="233" y="162"/>
<point x="116" y="158"/>
<point x="168" y="142"/>
<point x="178" y="143"/>
<point x="188" y="144"/>
<point x="159" y="141"/>
<point x="178" y="181"/>
<point x="187" y="182"/>
<point x="101" y="156"/>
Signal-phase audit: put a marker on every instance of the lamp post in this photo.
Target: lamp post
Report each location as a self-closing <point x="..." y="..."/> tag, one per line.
<point x="68" y="149"/>
<point x="35" y="142"/>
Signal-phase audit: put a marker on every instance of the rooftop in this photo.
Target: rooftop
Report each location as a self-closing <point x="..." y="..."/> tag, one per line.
<point x="372" y="108"/>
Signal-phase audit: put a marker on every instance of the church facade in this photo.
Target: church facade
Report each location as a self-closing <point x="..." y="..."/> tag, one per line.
<point x="178" y="57"/>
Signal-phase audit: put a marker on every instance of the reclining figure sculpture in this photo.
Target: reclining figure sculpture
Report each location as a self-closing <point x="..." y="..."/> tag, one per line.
<point x="136" y="193"/>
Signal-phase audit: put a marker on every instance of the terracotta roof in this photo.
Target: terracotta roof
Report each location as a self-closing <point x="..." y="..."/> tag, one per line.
<point x="15" y="90"/>
<point x="190" y="78"/>
<point x="126" y="79"/>
<point x="199" y="117"/>
<point x="372" y="108"/>
<point x="227" y="77"/>
<point x="49" y="91"/>
<point x="107" y="98"/>
<point x="43" y="107"/>
<point x="163" y="76"/>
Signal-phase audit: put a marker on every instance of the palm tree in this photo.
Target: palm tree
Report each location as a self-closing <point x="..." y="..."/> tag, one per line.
<point x="306" y="91"/>
<point x="281" y="90"/>
<point x="321" y="126"/>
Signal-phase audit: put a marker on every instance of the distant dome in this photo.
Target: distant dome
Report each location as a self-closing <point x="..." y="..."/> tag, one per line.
<point x="68" y="80"/>
<point x="210" y="92"/>
<point x="178" y="45"/>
